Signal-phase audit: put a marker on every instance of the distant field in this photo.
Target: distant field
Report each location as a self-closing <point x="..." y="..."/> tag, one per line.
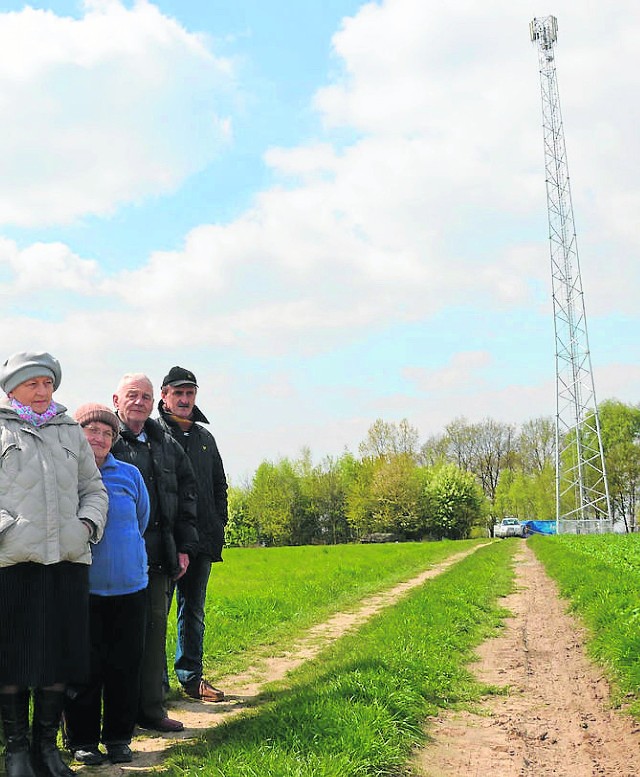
<point x="600" y="575"/>
<point x="264" y="596"/>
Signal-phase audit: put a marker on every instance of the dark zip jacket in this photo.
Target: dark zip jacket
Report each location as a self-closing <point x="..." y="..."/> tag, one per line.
<point x="200" y="446"/>
<point x="171" y="484"/>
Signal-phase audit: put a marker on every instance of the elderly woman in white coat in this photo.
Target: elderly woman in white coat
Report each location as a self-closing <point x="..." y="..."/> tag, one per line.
<point x="53" y="504"/>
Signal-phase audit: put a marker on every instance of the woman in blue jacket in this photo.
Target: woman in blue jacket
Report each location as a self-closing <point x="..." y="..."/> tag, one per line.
<point x="117" y="583"/>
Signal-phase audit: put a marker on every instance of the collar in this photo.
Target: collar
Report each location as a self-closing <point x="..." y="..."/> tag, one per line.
<point x="197" y="416"/>
<point x="151" y="429"/>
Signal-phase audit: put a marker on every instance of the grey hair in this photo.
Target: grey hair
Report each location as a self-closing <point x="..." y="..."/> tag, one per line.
<point x="129" y="377"/>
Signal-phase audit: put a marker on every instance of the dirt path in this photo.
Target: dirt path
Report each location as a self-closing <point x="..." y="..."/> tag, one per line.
<point x="556" y="720"/>
<point x="242" y="690"/>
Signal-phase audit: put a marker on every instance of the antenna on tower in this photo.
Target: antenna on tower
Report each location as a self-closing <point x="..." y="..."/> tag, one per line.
<point x="582" y="493"/>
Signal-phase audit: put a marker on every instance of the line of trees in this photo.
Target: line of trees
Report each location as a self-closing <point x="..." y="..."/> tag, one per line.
<point x="455" y="483"/>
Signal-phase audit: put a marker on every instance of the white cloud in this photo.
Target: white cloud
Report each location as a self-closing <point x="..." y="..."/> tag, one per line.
<point x="423" y="193"/>
<point x="431" y="207"/>
<point x="450" y="146"/>
<point x="45" y="266"/>
<point x="463" y="370"/>
<point x="96" y="113"/>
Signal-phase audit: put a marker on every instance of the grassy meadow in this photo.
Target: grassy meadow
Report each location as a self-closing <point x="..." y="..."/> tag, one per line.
<point x="358" y="708"/>
<point x="600" y="576"/>
<point x="264" y="597"/>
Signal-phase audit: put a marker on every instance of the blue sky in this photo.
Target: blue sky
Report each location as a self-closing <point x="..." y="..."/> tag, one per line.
<point x="330" y="211"/>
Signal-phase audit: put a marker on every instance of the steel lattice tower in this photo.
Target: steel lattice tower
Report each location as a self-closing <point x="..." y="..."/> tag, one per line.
<point x="582" y="494"/>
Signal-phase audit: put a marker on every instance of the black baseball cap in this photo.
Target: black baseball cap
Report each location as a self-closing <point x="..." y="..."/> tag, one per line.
<point x="178" y="376"/>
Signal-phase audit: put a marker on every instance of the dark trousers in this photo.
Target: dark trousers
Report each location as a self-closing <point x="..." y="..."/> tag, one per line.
<point x="154" y="663"/>
<point x="117" y="626"/>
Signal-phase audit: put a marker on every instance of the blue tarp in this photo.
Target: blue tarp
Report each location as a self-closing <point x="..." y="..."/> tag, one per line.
<point x="539" y="527"/>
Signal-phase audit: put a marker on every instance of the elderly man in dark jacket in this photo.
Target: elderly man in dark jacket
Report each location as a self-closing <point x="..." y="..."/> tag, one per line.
<point x="180" y="416"/>
<point x="171" y="537"/>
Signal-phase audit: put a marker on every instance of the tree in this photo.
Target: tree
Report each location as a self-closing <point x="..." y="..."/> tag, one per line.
<point x="360" y="503"/>
<point x="239" y="531"/>
<point x="324" y="496"/>
<point x="388" y="439"/>
<point x="483" y="449"/>
<point x="494" y="452"/>
<point x="455" y="502"/>
<point x="528" y="496"/>
<point x="387" y="496"/>
<point x="396" y="490"/>
<point x="274" y="504"/>
<point x="536" y="444"/>
<point x="407" y="440"/>
<point x="619" y="423"/>
<point x="623" y="475"/>
<point x="461" y="444"/>
<point x="620" y="430"/>
<point x="434" y="451"/>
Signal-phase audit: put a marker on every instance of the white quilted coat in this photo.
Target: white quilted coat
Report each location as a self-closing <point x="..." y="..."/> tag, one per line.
<point x="49" y="481"/>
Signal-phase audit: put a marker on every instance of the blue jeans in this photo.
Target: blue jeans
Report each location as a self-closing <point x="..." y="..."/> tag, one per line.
<point x="191" y="595"/>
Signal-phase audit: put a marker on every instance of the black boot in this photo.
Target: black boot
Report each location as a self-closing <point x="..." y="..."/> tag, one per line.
<point x="14" y="710"/>
<point x="47" y="711"/>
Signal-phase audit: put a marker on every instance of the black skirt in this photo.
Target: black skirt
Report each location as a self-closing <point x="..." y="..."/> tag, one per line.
<point x="44" y="624"/>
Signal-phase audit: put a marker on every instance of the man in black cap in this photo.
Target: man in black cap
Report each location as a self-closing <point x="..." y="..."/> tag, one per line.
<point x="171" y="537"/>
<point x="180" y="416"/>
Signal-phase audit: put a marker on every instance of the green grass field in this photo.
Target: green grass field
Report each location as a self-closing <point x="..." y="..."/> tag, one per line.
<point x="360" y="706"/>
<point x="600" y="576"/>
<point x="263" y="597"/>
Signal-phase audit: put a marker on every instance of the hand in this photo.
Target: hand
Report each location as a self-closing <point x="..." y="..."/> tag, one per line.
<point x="183" y="563"/>
<point x="89" y="526"/>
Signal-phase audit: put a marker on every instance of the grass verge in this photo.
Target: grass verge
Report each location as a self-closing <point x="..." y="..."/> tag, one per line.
<point x="360" y="708"/>
<point x="600" y="575"/>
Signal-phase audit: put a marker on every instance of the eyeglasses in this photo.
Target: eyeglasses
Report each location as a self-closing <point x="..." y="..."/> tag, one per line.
<point x="94" y="431"/>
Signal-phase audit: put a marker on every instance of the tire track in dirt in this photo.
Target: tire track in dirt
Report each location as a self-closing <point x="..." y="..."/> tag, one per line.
<point x="556" y="718"/>
<point x="243" y="689"/>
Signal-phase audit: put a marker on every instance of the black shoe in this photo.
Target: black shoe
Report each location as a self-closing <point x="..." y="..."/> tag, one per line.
<point x="90" y="755"/>
<point x="18" y="764"/>
<point x="119" y="753"/>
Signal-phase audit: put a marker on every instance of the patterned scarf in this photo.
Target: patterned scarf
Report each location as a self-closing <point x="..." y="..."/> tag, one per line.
<point x="184" y="423"/>
<point x="28" y="414"/>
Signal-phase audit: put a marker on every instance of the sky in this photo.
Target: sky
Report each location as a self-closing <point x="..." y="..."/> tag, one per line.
<point x="330" y="211"/>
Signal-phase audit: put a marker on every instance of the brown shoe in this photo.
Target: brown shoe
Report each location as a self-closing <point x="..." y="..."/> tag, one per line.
<point x="202" y="690"/>
<point x="161" y="724"/>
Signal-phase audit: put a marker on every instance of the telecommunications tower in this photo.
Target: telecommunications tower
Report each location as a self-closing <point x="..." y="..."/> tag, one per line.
<point x="582" y="494"/>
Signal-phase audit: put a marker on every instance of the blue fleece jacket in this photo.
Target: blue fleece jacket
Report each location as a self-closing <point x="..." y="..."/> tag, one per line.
<point x="119" y="564"/>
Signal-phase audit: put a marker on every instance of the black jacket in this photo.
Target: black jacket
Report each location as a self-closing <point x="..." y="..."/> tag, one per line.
<point x="201" y="448"/>
<point x="172" y="492"/>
